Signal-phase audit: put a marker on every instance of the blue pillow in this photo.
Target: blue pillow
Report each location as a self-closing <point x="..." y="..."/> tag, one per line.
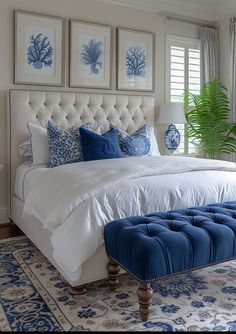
<point x="137" y="144"/>
<point x="97" y="147"/>
<point x="63" y="147"/>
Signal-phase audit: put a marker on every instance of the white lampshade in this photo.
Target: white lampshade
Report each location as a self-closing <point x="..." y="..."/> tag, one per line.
<point x="172" y="112"/>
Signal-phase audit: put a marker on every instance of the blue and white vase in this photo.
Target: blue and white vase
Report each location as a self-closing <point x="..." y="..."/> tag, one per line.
<point x="172" y="137"/>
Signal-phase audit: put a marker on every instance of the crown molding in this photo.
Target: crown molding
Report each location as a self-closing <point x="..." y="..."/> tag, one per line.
<point x="207" y="10"/>
<point x="179" y="7"/>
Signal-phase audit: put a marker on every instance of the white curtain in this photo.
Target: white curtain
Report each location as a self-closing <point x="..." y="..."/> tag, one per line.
<point x="210" y="53"/>
<point x="232" y="26"/>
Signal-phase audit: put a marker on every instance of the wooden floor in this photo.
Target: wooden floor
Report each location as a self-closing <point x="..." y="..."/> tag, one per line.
<point x="9" y="231"/>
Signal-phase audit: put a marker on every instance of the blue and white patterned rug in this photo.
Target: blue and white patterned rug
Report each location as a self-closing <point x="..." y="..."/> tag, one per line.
<point x="34" y="296"/>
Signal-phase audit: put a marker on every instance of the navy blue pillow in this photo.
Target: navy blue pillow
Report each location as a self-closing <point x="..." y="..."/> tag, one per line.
<point x="97" y="147"/>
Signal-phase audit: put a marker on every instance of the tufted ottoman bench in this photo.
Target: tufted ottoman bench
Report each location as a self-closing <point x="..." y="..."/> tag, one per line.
<point x="165" y="243"/>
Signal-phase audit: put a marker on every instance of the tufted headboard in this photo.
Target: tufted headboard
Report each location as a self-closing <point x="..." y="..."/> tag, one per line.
<point x="70" y="110"/>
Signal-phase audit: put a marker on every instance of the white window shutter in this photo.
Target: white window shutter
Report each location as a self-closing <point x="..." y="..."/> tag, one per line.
<point x="182" y="73"/>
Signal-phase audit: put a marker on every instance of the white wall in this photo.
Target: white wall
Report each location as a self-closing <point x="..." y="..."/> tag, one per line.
<point x="89" y="10"/>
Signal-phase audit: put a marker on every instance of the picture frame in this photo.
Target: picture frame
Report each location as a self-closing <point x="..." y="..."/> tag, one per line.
<point x="39" y="49"/>
<point x="91" y="50"/>
<point x="135" y="60"/>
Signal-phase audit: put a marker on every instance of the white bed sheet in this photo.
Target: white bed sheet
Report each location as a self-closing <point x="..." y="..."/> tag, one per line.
<point x="76" y="201"/>
<point x="26" y="175"/>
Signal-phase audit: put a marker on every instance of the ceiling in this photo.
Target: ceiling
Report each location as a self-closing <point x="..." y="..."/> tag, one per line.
<point x="211" y="10"/>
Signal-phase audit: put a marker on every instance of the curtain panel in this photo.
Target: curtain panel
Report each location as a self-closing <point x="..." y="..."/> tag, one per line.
<point x="232" y="27"/>
<point x="210" y="53"/>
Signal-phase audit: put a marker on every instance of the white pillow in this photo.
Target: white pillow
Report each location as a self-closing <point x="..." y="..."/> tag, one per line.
<point x="39" y="144"/>
<point x="101" y="129"/>
<point x="153" y="140"/>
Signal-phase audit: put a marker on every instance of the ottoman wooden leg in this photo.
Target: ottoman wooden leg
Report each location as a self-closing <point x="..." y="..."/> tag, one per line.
<point x="113" y="273"/>
<point x="144" y="294"/>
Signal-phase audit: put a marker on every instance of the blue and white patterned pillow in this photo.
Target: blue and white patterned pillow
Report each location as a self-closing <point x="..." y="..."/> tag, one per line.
<point x="25" y="149"/>
<point x="137" y="144"/>
<point x="63" y="147"/>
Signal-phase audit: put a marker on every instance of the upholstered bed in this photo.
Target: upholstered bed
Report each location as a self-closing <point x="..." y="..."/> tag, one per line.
<point x="69" y="110"/>
<point x="87" y="195"/>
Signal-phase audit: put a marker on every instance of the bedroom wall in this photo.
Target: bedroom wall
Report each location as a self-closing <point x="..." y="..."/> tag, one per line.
<point x="225" y="62"/>
<point x="88" y="10"/>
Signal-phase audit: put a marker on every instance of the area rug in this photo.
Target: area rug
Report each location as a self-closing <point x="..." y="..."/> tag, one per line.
<point x="34" y="297"/>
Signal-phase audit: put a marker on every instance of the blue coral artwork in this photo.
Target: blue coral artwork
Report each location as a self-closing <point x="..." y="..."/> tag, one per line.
<point x="91" y="56"/>
<point x="40" y="52"/>
<point x="135" y="62"/>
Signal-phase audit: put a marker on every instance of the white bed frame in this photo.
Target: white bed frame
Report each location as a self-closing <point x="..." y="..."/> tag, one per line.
<point x="69" y="110"/>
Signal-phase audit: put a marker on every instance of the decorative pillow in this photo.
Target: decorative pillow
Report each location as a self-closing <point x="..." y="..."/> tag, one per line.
<point x="25" y="149"/>
<point x="39" y="144"/>
<point x="97" y="147"/>
<point x="101" y="129"/>
<point x="137" y="144"/>
<point x="63" y="147"/>
<point x="154" y="146"/>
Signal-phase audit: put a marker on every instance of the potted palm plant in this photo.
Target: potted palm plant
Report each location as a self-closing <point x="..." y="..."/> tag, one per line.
<point x="208" y="120"/>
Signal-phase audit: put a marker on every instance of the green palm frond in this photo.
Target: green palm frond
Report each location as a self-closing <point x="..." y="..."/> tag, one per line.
<point x="208" y="119"/>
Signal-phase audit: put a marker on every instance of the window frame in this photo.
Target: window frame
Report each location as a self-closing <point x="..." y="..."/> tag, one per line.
<point x="187" y="43"/>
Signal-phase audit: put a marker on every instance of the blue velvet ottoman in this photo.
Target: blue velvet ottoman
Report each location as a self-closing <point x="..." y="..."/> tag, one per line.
<point x="165" y="243"/>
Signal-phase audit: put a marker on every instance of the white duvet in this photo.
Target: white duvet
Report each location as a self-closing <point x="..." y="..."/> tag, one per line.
<point x="76" y="201"/>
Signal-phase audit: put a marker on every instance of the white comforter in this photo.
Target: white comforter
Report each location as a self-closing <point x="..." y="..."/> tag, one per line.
<point x="76" y="201"/>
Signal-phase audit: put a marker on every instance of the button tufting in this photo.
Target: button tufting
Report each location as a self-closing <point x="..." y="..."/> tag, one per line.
<point x="212" y="242"/>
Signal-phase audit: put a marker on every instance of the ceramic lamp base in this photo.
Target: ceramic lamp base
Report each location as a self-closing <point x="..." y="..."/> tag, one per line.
<point x="172" y="138"/>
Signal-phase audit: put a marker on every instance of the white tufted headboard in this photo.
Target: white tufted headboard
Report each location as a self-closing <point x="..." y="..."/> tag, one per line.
<point x="70" y="110"/>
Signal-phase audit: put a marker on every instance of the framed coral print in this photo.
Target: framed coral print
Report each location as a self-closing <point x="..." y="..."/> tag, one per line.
<point x="39" y="49"/>
<point x="135" y="60"/>
<point x="90" y="55"/>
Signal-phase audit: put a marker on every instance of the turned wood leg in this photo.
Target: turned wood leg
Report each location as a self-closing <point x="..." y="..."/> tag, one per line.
<point x="113" y="273"/>
<point x="144" y="294"/>
<point x="78" y="290"/>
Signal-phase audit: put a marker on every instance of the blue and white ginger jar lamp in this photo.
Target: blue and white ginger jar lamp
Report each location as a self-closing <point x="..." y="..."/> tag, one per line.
<point x="172" y="113"/>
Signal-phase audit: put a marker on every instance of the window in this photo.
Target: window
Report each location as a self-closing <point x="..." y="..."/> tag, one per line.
<point x="182" y="73"/>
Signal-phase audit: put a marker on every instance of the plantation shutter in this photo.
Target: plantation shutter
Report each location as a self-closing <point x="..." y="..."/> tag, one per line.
<point x="182" y="73"/>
